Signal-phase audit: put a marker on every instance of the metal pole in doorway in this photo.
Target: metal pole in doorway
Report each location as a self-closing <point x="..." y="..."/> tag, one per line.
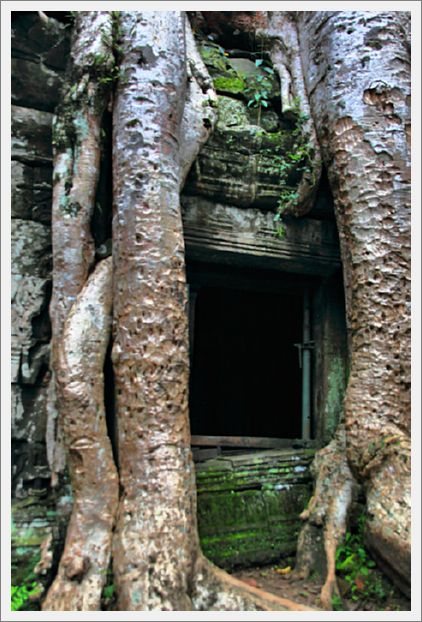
<point x="306" y="367"/>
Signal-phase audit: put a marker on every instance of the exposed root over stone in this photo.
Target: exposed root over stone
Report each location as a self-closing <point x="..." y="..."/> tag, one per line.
<point x="328" y="510"/>
<point x="285" y="55"/>
<point x="83" y="566"/>
<point x="76" y="145"/>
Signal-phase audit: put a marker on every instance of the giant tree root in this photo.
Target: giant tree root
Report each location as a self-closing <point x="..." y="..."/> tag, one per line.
<point x="363" y="125"/>
<point x="328" y="508"/>
<point x="76" y="144"/>
<point x="388" y="495"/>
<point x="83" y="566"/>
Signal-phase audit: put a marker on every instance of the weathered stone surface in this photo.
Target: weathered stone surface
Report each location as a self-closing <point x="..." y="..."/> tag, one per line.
<point x="34" y="40"/>
<point x="222" y="233"/>
<point x="21" y="190"/>
<point x="31" y="135"/>
<point x="33" y="520"/>
<point x="30" y="473"/>
<point x="31" y="248"/>
<point x="232" y="23"/>
<point x="30" y="327"/>
<point x="31" y="192"/>
<point x="42" y="194"/>
<point x="240" y="164"/>
<point x="330" y="356"/>
<point x="249" y="505"/>
<point x="28" y="413"/>
<point x="34" y="85"/>
<point x="238" y="75"/>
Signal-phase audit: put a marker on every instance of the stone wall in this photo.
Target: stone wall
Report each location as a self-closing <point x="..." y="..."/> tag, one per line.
<point x="39" y="53"/>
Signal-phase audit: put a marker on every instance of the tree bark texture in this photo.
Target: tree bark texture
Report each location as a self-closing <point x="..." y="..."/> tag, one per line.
<point x="76" y="143"/>
<point x="80" y="393"/>
<point x="157" y="561"/>
<point x="357" y="70"/>
<point x="155" y="535"/>
<point x="327" y="509"/>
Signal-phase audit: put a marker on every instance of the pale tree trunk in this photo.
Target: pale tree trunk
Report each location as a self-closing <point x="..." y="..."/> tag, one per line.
<point x="357" y="70"/>
<point x="76" y="145"/>
<point x="83" y="567"/>
<point x="157" y="561"/>
<point x="285" y="56"/>
<point x="155" y="534"/>
<point x="327" y="509"/>
<point x="80" y="325"/>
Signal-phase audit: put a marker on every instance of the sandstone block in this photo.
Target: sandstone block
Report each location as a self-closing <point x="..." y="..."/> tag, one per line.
<point x="31" y="135"/>
<point x="31" y="248"/>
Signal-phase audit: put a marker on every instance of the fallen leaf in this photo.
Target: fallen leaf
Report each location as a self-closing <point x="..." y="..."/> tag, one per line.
<point x="285" y="570"/>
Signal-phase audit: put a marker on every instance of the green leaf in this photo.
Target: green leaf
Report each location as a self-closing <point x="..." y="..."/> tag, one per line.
<point x="259" y="62"/>
<point x="268" y="70"/>
<point x="108" y="591"/>
<point x="264" y="103"/>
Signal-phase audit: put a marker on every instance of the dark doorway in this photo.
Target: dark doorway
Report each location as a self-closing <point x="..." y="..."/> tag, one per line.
<point x="245" y="374"/>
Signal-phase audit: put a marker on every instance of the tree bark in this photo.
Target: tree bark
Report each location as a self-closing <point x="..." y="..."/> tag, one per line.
<point x="357" y="70"/>
<point x="285" y="56"/>
<point x="327" y="509"/>
<point x="76" y="143"/>
<point x="155" y="535"/>
<point x="76" y="423"/>
<point x="83" y="566"/>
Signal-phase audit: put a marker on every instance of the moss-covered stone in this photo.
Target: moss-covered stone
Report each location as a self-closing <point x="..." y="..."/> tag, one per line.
<point x="33" y="520"/>
<point x="229" y="84"/>
<point x="240" y="164"/>
<point x="248" y="505"/>
<point x="214" y="57"/>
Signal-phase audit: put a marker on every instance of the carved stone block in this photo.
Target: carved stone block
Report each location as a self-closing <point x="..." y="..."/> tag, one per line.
<point x="31" y="135"/>
<point x="34" y="85"/>
<point x="31" y="248"/>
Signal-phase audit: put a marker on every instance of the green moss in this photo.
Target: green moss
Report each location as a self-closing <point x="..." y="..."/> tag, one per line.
<point x="214" y="57"/>
<point x="248" y="513"/>
<point x="229" y="84"/>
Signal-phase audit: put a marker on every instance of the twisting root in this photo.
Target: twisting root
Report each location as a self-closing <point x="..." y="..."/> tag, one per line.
<point x="83" y="566"/>
<point x="328" y="506"/>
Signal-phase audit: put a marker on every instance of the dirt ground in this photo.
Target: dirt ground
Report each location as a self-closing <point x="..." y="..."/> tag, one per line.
<point x="280" y="580"/>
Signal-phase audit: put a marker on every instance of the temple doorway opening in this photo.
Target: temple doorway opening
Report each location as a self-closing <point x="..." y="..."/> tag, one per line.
<point x="248" y="356"/>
